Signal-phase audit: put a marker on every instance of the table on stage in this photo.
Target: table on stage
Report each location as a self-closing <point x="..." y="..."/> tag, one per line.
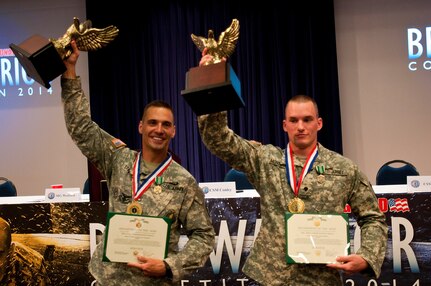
<point x="66" y="234"/>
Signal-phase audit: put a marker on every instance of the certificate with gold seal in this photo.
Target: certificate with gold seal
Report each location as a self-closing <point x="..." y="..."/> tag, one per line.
<point x="316" y="238"/>
<point x="129" y="235"/>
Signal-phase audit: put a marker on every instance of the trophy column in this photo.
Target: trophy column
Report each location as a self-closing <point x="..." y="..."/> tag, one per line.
<point x="212" y="88"/>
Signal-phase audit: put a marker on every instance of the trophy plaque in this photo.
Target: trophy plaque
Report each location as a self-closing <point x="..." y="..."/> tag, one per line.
<point x="42" y="58"/>
<point x="214" y="86"/>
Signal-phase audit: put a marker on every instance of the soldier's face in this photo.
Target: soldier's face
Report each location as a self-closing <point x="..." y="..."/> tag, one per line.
<point x="302" y="124"/>
<point x="157" y="129"/>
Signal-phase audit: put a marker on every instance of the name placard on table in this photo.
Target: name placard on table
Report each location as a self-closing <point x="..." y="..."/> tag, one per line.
<point x="418" y="184"/>
<point x="63" y="195"/>
<point x="218" y="189"/>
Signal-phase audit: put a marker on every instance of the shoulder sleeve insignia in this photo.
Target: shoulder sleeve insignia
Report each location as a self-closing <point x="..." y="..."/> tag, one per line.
<point x="118" y="143"/>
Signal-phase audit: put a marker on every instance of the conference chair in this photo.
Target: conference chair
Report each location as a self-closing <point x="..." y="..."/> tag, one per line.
<point x="239" y="178"/>
<point x="86" y="187"/>
<point x="395" y="172"/>
<point x="7" y="188"/>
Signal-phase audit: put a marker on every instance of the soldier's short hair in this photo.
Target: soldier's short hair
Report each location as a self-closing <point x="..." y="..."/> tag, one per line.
<point x="157" y="103"/>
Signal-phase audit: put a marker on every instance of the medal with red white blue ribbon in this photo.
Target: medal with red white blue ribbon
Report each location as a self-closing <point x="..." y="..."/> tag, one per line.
<point x="139" y="189"/>
<point x="296" y="205"/>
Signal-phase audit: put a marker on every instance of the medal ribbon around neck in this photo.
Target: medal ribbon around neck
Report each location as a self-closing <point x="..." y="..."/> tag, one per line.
<point x="139" y="190"/>
<point x="290" y="168"/>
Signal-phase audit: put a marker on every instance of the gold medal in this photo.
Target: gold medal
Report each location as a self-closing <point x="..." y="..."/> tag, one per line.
<point x="157" y="189"/>
<point x="296" y="205"/>
<point x="134" y="208"/>
<point x="321" y="179"/>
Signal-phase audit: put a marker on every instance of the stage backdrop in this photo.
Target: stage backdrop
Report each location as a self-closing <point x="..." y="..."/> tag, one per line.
<point x="34" y="141"/>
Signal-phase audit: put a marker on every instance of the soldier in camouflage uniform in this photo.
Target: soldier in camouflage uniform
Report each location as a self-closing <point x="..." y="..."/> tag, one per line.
<point x="332" y="182"/>
<point x="175" y="194"/>
<point x="19" y="264"/>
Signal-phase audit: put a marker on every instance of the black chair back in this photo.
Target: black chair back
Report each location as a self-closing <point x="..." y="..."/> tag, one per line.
<point x="395" y="172"/>
<point x="7" y="188"/>
<point x="239" y="178"/>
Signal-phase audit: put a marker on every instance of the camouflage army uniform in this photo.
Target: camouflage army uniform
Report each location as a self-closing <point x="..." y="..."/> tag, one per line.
<point x="26" y="267"/>
<point x="266" y="170"/>
<point x="181" y="199"/>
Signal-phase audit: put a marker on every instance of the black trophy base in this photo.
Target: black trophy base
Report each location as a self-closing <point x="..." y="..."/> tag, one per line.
<point x="40" y="59"/>
<point x="212" y="88"/>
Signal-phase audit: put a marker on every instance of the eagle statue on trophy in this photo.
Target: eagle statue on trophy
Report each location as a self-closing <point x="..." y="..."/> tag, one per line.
<point x="223" y="47"/>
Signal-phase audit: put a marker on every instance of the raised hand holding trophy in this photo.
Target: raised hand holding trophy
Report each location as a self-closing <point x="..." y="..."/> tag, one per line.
<point x="214" y="86"/>
<point x="42" y="58"/>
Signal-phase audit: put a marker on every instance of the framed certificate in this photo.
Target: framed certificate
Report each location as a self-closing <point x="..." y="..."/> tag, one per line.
<point x="128" y="236"/>
<point x="316" y="238"/>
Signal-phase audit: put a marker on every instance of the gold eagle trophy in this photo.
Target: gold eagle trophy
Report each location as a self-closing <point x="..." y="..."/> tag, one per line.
<point x="42" y="58"/>
<point x="214" y="87"/>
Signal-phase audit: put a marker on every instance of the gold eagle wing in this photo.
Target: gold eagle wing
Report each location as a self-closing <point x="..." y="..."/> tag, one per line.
<point x="93" y="39"/>
<point x="200" y="42"/>
<point x="228" y="39"/>
<point x="86" y="37"/>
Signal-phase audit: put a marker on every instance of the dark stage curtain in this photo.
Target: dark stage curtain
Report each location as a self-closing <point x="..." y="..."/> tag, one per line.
<point x="281" y="52"/>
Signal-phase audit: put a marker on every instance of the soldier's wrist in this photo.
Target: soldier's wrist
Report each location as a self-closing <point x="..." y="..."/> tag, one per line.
<point x="168" y="273"/>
